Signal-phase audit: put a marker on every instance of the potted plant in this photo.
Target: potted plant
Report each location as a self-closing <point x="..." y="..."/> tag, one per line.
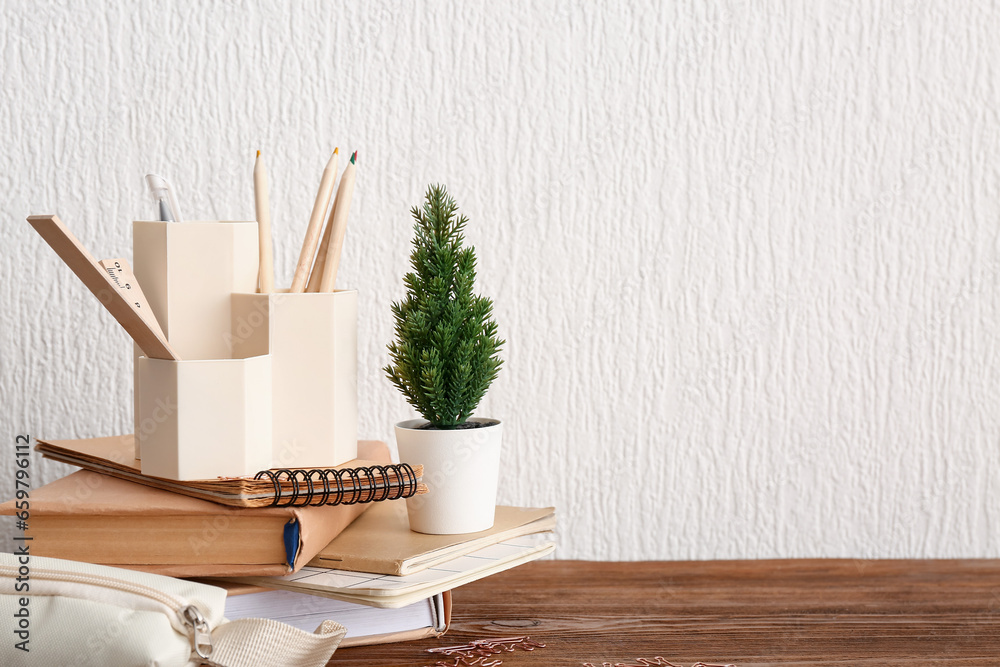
<point x="443" y="359"/>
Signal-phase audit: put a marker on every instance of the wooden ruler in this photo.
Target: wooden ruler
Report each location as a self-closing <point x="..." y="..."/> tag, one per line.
<point x="121" y="275"/>
<point x="116" y="290"/>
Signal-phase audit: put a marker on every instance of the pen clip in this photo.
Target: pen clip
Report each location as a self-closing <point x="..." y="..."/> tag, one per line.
<point x="163" y="195"/>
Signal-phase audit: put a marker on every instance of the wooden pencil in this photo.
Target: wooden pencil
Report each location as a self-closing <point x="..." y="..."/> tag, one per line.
<point x="317" y="271"/>
<point x="315" y="227"/>
<point x="338" y="225"/>
<point x="263" y="204"/>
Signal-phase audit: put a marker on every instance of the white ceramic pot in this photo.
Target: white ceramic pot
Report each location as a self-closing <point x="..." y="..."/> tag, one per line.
<point x="461" y="467"/>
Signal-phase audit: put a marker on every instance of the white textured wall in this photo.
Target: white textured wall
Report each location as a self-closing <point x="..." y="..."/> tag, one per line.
<point x="745" y="254"/>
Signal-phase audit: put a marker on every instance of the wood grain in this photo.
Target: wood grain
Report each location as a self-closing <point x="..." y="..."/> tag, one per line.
<point x="149" y="339"/>
<point x="751" y="613"/>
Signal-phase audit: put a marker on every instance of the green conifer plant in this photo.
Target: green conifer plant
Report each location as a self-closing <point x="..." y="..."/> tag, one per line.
<point x="446" y="350"/>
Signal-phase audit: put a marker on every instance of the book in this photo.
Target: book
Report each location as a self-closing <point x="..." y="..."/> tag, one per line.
<point x="365" y="625"/>
<point x="96" y="518"/>
<point x="381" y="541"/>
<point x="389" y="591"/>
<point x="359" y="480"/>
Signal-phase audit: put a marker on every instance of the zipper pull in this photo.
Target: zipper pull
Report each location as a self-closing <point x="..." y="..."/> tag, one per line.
<point x="201" y="639"/>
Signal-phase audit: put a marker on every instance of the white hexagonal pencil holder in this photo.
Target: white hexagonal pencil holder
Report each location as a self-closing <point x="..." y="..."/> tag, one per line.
<point x="313" y="342"/>
<point x="204" y="418"/>
<point x="188" y="272"/>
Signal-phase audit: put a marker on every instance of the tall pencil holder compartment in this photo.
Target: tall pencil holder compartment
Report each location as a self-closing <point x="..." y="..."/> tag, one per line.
<point x="313" y="342"/>
<point x="204" y="418"/>
<point x="188" y="272"/>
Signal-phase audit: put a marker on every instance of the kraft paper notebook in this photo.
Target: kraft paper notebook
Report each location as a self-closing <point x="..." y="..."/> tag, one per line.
<point x="381" y="541"/>
<point x="383" y="590"/>
<point x="365" y="625"/>
<point x="96" y="518"/>
<point x="115" y="456"/>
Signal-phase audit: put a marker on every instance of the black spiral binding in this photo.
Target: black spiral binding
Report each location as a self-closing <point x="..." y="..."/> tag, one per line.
<point x="371" y="484"/>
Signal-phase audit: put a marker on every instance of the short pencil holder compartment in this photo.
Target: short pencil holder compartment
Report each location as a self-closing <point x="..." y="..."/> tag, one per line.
<point x="206" y="418"/>
<point x="313" y="342"/>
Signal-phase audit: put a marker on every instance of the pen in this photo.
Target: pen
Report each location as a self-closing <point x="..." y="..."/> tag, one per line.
<point x="163" y="195"/>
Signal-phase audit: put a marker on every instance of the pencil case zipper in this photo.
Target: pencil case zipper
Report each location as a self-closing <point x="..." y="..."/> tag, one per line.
<point x="188" y="615"/>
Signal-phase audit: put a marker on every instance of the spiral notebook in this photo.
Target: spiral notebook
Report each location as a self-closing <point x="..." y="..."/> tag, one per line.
<point x="96" y="518"/>
<point x="357" y="481"/>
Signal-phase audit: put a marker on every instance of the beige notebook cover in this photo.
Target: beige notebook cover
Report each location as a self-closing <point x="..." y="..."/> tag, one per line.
<point x="114" y="455"/>
<point x="381" y="541"/>
<point x="101" y="519"/>
<point x="390" y="591"/>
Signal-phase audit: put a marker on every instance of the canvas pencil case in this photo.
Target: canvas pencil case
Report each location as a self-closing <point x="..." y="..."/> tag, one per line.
<point x="61" y="612"/>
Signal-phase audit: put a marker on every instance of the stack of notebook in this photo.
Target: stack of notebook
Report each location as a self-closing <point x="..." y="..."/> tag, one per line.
<point x="377" y="562"/>
<point x="352" y="559"/>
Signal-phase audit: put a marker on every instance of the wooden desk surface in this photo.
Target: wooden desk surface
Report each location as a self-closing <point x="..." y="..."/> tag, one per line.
<point x="848" y="613"/>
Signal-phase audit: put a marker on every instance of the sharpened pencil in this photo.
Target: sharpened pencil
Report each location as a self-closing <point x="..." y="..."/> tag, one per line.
<point x="315" y="224"/>
<point x="263" y="205"/>
<point x="338" y="225"/>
